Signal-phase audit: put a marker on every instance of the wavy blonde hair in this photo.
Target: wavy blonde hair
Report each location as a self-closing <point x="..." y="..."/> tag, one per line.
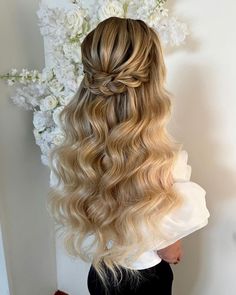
<point x="116" y="161"/>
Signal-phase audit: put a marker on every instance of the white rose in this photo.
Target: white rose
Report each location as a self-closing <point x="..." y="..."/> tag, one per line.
<point x="110" y="8"/>
<point x="74" y="21"/>
<point x="55" y="115"/>
<point x="48" y="103"/>
<point x="55" y="87"/>
<point x="58" y="138"/>
<point x="41" y="120"/>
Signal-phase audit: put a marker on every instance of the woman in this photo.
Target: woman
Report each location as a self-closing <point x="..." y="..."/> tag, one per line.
<point x="119" y="176"/>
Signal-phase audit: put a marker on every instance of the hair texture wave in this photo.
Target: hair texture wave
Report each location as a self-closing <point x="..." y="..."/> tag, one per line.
<point x="115" y="163"/>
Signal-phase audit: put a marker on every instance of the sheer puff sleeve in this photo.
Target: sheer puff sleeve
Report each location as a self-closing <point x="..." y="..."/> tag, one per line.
<point x="193" y="214"/>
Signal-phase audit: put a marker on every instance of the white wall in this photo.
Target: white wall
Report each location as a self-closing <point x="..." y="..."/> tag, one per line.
<point x="201" y="76"/>
<point x="26" y="227"/>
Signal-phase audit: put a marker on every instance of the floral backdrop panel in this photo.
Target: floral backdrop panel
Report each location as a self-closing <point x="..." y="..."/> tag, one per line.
<point x="63" y="25"/>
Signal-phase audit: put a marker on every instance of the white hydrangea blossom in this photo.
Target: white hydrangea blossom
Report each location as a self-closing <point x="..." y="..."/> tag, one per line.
<point x="72" y="52"/>
<point x="46" y="93"/>
<point x="52" y="23"/>
<point x="176" y="31"/>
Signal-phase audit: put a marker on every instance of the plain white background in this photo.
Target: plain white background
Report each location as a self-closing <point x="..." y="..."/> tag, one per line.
<point x="201" y="76"/>
<point x="27" y="230"/>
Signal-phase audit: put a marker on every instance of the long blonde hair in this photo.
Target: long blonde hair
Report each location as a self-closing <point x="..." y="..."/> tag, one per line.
<point x="116" y="161"/>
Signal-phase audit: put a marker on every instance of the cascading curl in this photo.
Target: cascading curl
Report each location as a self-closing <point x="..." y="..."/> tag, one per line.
<point x="115" y="164"/>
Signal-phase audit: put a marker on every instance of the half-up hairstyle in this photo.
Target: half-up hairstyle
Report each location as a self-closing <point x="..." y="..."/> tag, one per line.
<point x="115" y="164"/>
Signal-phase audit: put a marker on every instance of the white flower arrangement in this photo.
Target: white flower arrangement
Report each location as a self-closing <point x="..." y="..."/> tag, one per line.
<point x="47" y="92"/>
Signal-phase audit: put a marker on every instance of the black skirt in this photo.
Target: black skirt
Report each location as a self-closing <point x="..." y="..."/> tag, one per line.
<point x="157" y="280"/>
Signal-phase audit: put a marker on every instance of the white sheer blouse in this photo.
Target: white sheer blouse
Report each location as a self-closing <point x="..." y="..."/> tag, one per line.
<point x="191" y="216"/>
